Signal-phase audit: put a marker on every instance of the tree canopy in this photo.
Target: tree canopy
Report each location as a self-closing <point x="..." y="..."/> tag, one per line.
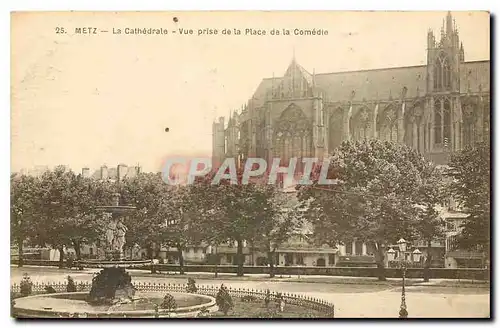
<point x="377" y="198"/>
<point x="470" y="170"/>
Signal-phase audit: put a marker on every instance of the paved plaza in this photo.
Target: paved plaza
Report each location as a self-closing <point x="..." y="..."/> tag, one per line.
<point x="365" y="298"/>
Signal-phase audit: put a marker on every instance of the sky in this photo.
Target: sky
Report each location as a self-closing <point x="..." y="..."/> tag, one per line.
<point x="89" y="100"/>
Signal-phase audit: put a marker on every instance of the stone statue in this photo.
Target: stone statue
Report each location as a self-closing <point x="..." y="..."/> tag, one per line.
<point x="110" y="234"/>
<point x="119" y="240"/>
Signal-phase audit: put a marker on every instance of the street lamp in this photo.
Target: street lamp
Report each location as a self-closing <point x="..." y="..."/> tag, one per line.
<point x="403" y="313"/>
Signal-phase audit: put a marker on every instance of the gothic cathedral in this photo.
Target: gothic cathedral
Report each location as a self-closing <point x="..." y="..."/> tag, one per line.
<point x="436" y="108"/>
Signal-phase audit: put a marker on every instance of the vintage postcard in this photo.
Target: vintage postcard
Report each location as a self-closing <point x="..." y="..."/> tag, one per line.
<point x="250" y="164"/>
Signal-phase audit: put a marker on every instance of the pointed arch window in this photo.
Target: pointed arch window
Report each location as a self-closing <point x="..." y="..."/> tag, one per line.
<point x="292" y="136"/>
<point x="469" y="127"/>
<point x="437" y="122"/>
<point x="361" y="124"/>
<point x="388" y="125"/>
<point x="446" y="123"/>
<point x="442" y="73"/>
<point x="335" y="129"/>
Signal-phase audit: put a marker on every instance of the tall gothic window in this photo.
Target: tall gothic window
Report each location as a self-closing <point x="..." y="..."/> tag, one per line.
<point x="442" y="73"/>
<point x="293" y="137"/>
<point x="335" y="129"/>
<point x="442" y="122"/>
<point x="437" y="122"/>
<point x="388" y="127"/>
<point x="414" y="132"/>
<point x="260" y="139"/>
<point x="360" y="125"/>
<point x="469" y="126"/>
<point x="409" y="135"/>
<point x="447" y="123"/>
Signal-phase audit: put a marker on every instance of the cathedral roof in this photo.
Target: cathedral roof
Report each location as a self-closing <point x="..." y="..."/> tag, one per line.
<point x="373" y="84"/>
<point x="380" y="84"/>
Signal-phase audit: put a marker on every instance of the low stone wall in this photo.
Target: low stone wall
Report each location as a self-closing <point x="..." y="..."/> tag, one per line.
<point x="435" y="273"/>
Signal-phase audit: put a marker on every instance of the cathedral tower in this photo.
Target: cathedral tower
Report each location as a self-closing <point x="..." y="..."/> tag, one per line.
<point x="444" y="59"/>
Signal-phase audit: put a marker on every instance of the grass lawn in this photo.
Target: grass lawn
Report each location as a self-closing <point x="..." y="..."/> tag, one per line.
<point x="257" y="309"/>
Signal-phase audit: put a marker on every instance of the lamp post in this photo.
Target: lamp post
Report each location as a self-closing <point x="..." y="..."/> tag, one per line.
<point x="403" y="313"/>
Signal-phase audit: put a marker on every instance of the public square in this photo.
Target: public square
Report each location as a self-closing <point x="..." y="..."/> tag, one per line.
<point x="353" y="297"/>
<point x="314" y="176"/>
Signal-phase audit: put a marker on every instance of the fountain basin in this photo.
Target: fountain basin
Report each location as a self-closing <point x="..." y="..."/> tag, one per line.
<point x="114" y="264"/>
<point x="59" y="305"/>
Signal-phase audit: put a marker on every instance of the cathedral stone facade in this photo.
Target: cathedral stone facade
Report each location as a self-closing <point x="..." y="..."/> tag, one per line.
<point x="437" y="108"/>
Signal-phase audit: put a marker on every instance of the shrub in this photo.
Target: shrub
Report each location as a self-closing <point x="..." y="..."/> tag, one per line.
<point x="50" y="290"/>
<point x="191" y="286"/>
<point x="26" y="285"/>
<point x="267" y="299"/>
<point x="71" y="286"/>
<point x="224" y="300"/>
<point x="169" y="302"/>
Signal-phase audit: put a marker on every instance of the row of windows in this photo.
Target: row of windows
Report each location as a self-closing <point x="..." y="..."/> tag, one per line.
<point x="416" y="134"/>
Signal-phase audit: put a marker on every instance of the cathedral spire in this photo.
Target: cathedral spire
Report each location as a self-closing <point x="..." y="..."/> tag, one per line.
<point x="449" y="23"/>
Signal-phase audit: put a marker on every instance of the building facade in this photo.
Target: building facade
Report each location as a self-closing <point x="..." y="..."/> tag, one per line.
<point x="435" y="108"/>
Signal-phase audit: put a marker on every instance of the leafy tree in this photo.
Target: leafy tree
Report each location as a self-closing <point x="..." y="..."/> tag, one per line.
<point x="23" y="209"/>
<point x="470" y="170"/>
<point x="67" y="209"/>
<point x="233" y="211"/>
<point x="148" y="193"/>
<point x="374" y="199"/>
<point x="277" y="223"/>
<point x="429" y="225"/>
<point x="182" y="220"/>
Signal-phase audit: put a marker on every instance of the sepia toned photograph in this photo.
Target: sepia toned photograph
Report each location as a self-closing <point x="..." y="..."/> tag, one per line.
<point x="250" y="164"/>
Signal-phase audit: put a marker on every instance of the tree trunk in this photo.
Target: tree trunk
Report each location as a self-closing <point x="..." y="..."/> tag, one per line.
<point x="270" y="259"/>
<point x="20" y="250"/>
<point x="379" y="258"/>
<point x="61" y="257"/>
<point x="78" y="251"/>
<point x="427" y="265"/>
<point x="239" y="258"/>
<point x="181" y="259"/>
<point x="150" y="251"/>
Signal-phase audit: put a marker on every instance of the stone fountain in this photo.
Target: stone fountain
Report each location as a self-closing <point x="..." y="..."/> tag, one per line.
<point x="113" y="284"/>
